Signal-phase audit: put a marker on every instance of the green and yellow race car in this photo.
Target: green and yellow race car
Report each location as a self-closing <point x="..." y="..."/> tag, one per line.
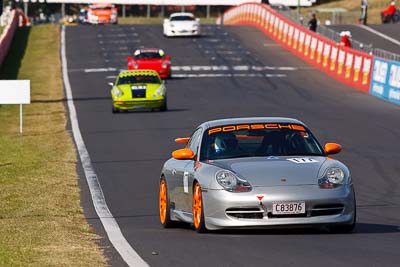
<point x="138" y="89"/>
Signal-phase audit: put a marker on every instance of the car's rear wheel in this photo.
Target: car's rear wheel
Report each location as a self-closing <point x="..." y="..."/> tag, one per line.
<point x="198" y="209"/>
<point x="164" y="205"/>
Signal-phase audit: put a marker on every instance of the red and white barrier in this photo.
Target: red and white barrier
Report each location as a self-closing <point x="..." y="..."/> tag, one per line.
<point x="344" y="64"/>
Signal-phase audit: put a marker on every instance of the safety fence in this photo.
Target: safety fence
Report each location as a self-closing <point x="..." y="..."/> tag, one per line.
<point x="345" y="64"/>
<point x="7" y="35"/>
<point x="335" y="36"/>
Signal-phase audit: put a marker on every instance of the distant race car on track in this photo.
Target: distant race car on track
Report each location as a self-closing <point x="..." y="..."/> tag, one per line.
<point x="181" y="24"/>
<point x="151" y="58"/>
<point x="256" y="173"/>
<point x="138" y="89"/>
<point x="102" y="14"/>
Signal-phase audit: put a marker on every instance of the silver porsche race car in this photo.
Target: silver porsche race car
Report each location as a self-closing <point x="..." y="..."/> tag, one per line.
<point x="256" y="173"/>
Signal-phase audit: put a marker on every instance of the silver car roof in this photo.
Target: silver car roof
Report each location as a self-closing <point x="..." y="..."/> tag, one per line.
<point x="222" y="122"/>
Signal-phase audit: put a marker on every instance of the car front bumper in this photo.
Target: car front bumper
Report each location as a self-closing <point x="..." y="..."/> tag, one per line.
<point x="224" y="209"/>
<point x="138" y="104"/>
<point x="184" y="32"/>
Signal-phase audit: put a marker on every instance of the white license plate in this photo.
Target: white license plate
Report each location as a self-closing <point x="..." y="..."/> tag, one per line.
<point x="279" y="208"/>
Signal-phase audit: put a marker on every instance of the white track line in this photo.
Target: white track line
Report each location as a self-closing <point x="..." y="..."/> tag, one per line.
<point x="223" y="75"/>
<point x="384" y="36"/>
<point x="128" y="254"/>
<point x="220" y="75"/>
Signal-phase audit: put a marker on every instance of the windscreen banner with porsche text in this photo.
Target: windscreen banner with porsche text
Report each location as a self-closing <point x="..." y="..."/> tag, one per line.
<point x="385" y="82"/>
<point x="344" y="64"/>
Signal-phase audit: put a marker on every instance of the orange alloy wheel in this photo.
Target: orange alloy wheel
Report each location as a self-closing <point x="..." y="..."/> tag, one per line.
<point x="197" y="206"/>
<point x="163" y="201"/>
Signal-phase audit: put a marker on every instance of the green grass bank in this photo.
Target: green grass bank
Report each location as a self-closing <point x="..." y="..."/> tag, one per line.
<point x="41" y="220"/>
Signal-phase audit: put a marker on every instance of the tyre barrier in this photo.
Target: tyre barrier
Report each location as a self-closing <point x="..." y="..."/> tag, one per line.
<point x="360" y="70"/>
<point x="7" y="35"/>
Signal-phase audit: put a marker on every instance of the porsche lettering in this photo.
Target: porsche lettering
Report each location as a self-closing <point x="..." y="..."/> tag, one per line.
<point x="231" y="128"/>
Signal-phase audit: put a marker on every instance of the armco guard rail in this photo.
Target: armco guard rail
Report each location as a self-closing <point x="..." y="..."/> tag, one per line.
<point x="344" y="64"/>
<point x="7" y="35"/>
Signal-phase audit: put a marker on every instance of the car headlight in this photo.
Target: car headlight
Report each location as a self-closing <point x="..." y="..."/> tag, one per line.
<point x="333" y="177"/>
<point x="164" y="65"/>
<point x="171" y="25"/>
<point x="160" y="91"/>
<point x="136" y="65"/>
<point x="230" y="182"/>
<point x="117" y="92"/>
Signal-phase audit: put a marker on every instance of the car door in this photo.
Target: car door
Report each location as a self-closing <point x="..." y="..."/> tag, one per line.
<point x="184" y="175"/>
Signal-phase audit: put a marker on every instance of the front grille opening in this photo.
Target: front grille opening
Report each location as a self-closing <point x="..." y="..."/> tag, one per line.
<point x="139" y="93"/>
<point x="326" y="210"/>
<point x="246" y="213"/>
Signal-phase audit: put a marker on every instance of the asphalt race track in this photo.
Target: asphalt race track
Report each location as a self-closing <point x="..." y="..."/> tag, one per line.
<point x="230" y="72"/>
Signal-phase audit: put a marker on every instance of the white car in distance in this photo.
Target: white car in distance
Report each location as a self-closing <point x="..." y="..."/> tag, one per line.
<point x="181" y="24"/>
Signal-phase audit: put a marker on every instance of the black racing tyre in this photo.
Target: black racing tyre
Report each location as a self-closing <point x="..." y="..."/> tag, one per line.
<point x="115" y="110"/>
<point x="164" y="107"/>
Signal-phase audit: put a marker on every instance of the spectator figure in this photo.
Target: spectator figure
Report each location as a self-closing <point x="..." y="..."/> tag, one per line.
<point x="345" y="40"/>
<point x="312" y="23"/>
<point x="388" y="15"/>
<point x="364" y="9"/>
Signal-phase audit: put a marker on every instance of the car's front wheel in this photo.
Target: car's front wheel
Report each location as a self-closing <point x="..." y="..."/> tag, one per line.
<point x="164" y="105"/>
<point x="198" y="209"/>
<point x="115" y="110"/>
<point x="346" y="228"/>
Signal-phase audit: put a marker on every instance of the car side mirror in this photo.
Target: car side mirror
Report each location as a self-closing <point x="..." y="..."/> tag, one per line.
<point x="198" y="19"/>
<point x="332" y="148"/>
<point x="129" y="59"/>
<point x="166" y="20"/>
<point x="184" y="153"/>
<point x="182" y="140"/>
<point x="110" y="84"/>
<point x="168" y="57"/>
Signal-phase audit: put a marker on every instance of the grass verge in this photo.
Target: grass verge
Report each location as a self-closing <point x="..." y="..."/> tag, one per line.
<point x="41" y="220"/>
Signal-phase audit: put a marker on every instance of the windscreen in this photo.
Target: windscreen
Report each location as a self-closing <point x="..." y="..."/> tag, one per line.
<point x="258" y="140"/>
<point x="182" y="18"/>
<point x="148" y="55"/>
<point x="101" y="8"/>
<point x="138" y="79"/>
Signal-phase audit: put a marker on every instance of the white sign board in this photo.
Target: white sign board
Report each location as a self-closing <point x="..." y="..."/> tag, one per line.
<point x="15" y="92"/>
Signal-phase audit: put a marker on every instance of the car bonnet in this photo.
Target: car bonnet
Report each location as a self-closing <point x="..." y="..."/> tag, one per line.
<point x="275" y="170"/>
